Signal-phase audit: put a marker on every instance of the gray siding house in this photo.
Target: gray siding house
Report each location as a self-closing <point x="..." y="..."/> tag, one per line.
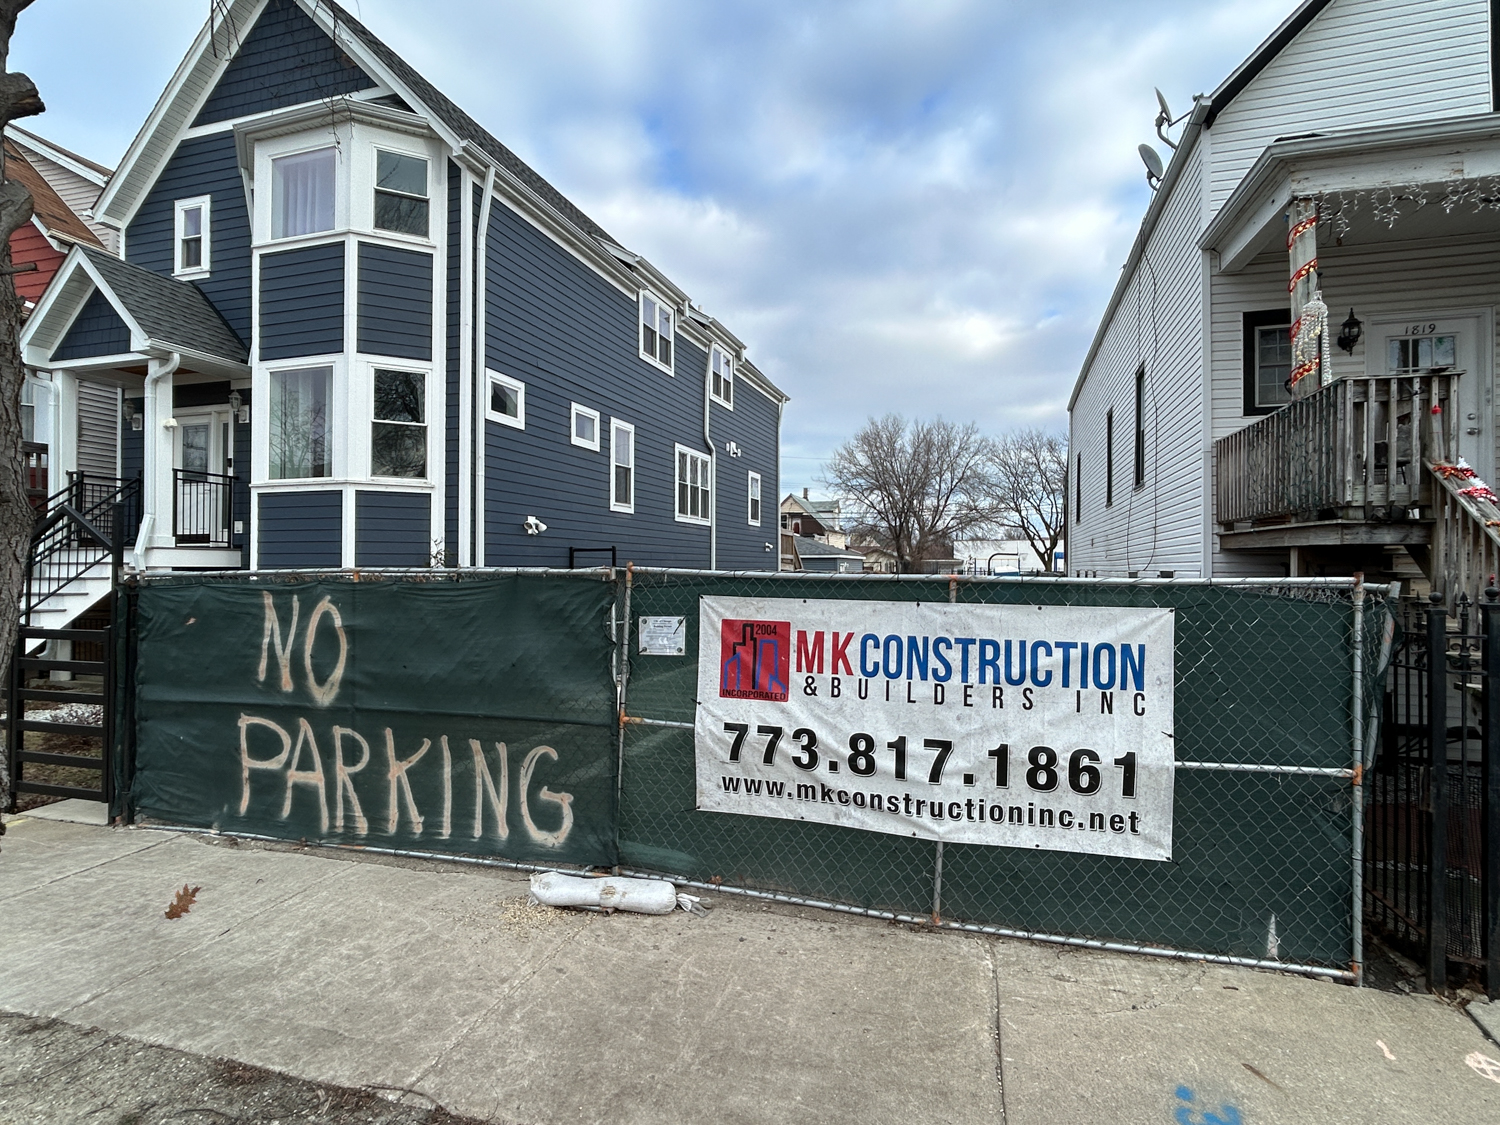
<point x="352" y="329"/>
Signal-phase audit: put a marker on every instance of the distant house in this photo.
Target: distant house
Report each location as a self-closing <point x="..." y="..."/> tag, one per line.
<point x="350" y="328"/>
<point x="1345" y="165"/>
<point x="820" y="519"/>
<point x="1003" y="556"/>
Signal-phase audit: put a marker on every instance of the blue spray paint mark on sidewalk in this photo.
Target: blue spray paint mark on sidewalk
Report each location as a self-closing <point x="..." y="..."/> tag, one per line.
<point x="1189" y="1113"/>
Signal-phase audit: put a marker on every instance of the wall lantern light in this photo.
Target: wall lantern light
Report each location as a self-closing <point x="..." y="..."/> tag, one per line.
<point x="1350" y="332"/>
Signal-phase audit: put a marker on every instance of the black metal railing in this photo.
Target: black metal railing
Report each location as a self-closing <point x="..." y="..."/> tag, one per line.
<point x="1432" y="842"/>
<point x="202" y="508"/>
<point x="77" y="532"/>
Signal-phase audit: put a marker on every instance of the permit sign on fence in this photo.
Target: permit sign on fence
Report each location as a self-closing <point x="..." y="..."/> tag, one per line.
<point x="1042" y="727"/>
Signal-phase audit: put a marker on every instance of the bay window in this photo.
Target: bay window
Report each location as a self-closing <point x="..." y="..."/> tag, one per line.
<point x="302" y="193"/>
<point x="301" y="442"/>
<point x="398" y="432"/>
<point x="401" y="193"/>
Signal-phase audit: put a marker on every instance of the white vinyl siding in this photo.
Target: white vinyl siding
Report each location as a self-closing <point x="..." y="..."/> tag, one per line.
<point x="1159" y="526"/>
<point x="1359" y="64"/>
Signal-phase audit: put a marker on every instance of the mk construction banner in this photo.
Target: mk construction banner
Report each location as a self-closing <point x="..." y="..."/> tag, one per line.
<point x="1045" y="727"/>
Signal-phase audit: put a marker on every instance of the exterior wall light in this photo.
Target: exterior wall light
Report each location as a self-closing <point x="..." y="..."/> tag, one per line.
<point x="1350" y="332"/>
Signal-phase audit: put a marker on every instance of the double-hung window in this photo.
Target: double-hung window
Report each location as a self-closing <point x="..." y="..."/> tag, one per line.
<point x="656" y="331"/>
<point x="754" y="493"/>
<point x="1267" y="360"/>
<point x="301" y="424"/>
<point x="400" y="193"/>
<point x="507" y="402"/>
<point x="302" y="193"/>
<point x="692" y="485"/>
<point x="398" y="433"/>
<point x="191" y="234"/>
<point x="622" y="466"/>
<point x="722" y="375"/>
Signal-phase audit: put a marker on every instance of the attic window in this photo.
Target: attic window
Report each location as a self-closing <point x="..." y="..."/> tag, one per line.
<point x="723" y="377"/>
<point x="191" y="234"/>
<point x="401" y="193"/>
<point x="656" y="331"/>
<point x="302" y="188"/>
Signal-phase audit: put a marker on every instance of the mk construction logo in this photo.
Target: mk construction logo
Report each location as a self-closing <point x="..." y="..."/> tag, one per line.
<point x="755" y="660"/>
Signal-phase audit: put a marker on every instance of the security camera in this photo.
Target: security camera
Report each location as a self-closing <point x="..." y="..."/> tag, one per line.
<point x="534" y="526"/>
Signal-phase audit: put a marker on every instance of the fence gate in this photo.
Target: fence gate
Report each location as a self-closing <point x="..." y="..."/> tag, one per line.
<point x="1432" y="855"/>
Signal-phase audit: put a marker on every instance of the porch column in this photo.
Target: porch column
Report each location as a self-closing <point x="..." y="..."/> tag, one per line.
<point x="62" y="457"/>
<point x="1309" y="313"/>
<point x="156" y="460"/>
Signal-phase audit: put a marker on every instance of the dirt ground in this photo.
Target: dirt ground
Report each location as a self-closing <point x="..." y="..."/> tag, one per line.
<point x="54" y="1072"/>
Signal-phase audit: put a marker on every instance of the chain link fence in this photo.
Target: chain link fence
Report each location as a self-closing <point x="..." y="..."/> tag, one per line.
<point x="1277" y="697"/>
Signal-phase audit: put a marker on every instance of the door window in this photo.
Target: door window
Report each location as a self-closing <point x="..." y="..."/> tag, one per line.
<point x="195" y="447"/>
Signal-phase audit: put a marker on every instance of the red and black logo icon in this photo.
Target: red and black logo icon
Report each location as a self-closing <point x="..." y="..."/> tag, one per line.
<point x="755" y="660"/>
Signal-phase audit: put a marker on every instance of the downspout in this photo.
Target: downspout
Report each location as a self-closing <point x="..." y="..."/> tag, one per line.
<point x="161" y="369"/>
<point x="713" y="461"/>
<point x="480" y="428"/>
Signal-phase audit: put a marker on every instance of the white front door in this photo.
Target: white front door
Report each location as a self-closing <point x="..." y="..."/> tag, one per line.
<point x="201" y="480"/>
<point x="1455" y="342"/>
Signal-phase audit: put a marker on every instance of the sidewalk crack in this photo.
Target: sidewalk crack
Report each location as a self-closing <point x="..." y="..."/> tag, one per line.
<point x="988" y="946"/>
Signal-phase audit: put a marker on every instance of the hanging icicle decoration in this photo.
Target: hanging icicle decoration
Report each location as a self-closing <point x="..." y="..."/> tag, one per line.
<point x="1311" y="344"/>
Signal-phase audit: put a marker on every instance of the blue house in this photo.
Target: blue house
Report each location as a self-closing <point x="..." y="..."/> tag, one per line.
<point x="353" y="329"/>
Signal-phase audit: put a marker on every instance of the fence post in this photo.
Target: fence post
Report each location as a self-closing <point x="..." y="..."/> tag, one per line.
<point x="622" y="681"/>
<point x="1437" y="790"/>
<point x="1490" y="802"/>
<point x="1357" y="818"/>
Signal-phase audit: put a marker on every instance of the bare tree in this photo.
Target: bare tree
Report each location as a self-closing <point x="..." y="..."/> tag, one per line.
<point x="913" y="486"/>
<point x="1029" y="475"/>
<point x="18" y="98"/>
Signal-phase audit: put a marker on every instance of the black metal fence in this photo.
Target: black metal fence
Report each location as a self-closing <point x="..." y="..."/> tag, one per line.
<point x="1432" y="855"/>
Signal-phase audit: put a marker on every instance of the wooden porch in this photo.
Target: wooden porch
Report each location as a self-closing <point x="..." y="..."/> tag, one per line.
<point x="1344" y="468"/>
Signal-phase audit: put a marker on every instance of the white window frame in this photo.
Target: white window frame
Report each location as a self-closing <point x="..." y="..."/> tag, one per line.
<point x="425" y="425"/>
<point x="340" y="187"/>
<point x="573" y="414"/>
<point x="753" y="499"/>
<point x="705" y="463"/>
<point x="640" y="335"/>
<point x="426" y="158"/>
<point x="179" y="208"/>
<point x="727" y="368"/>
<point x="518" y="422"/>
<point x="615" y="426"/>
<point x="338" y="453"/>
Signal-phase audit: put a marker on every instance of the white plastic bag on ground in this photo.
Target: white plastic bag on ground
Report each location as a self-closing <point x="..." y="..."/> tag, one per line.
<point x="640" y="896"/>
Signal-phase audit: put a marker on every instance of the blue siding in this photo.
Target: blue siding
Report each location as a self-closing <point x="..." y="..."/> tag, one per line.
<point x="392" y="529"/>
<point x="395" y="301"/>
<point x="201" y="166"/>
<point x="301" y="529"/>
<point x="302" y="302"/>
<point x="285" y="59"/>
<point x="571" y="337"/>
<point x="753" y="425"/>
<point x="97" y="330"/>
<point x="455" y="306"/>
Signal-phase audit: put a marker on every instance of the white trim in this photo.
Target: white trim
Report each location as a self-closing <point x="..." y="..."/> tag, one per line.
<point x="205" y="266"/>
<point x="574" y="411"/>
<point x="705" y="485"/>
<point x="519" y="421"/>
<point x="640" y="325"/>
<point x="754" y="497"/>
<point x="616" y="425"/>
<point x="726" y="375"/>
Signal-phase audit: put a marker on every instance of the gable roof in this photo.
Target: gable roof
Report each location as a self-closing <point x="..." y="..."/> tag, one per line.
<point x="56" y="217"/>
<point x="171" y="313"/>
<point x="465" y="126"/>
<point x="1261" y="57"/>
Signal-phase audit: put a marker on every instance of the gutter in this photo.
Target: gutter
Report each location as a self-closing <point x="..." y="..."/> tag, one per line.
<point x="1185" y="146"/>
<point x="161" y="369"/>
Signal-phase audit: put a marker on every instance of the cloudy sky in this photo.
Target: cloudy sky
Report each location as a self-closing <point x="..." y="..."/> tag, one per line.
<point x="916" y="206"/>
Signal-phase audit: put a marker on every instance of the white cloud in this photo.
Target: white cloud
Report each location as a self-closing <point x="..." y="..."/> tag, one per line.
<point x="908" y="205"/>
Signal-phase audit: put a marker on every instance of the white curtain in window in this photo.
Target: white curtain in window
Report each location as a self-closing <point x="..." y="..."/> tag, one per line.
<point x="302" y="193"/>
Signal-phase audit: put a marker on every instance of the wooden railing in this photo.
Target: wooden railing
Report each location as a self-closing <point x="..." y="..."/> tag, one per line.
<point x="1465" y="537"/>
<point x="1352" y="446"/>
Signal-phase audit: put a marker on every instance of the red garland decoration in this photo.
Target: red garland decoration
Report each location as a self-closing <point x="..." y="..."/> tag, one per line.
<point x="1480" y="492"/>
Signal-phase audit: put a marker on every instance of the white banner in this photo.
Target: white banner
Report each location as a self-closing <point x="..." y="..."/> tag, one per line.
<point x="1023" y="726"/>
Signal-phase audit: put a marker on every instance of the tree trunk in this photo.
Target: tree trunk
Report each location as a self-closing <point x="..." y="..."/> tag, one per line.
<point x="18" y="98"/>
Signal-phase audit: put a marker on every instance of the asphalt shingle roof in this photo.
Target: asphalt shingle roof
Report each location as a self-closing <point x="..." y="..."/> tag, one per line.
<point x="169" y="311"/>
<point x="466" y="127"/>
<point x="816" y="548"/>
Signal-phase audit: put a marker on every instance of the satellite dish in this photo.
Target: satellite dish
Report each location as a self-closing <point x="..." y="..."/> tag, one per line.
<point x="1154" y="169"/>
<point x="1166" y="111"/>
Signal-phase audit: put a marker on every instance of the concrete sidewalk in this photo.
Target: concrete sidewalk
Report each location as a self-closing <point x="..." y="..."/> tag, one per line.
<point x="439" y="979"/>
